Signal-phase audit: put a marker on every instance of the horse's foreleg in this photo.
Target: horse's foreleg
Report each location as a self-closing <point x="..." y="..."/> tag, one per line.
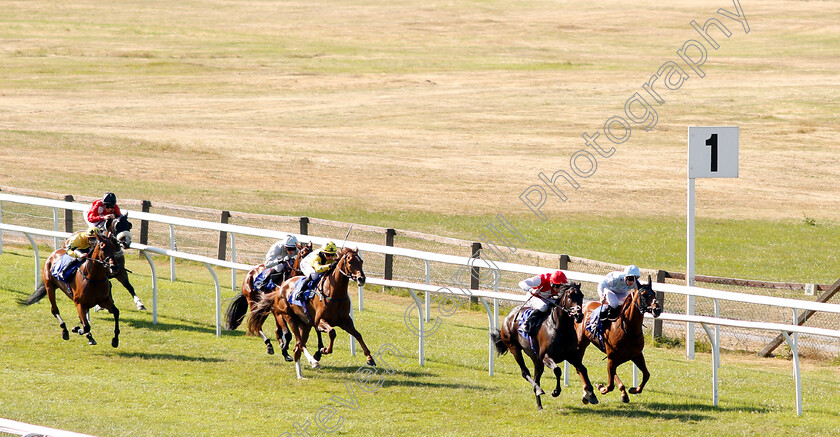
<point x="84" y="316"/>
<point x="611" y="378"/>
<point x="539" y="367"/>
<point x="558" y="373"/>
<point x="116" y="312"/>
<point x="325" y="327"/>
<point x="639" y="361"/>
<point x="350" y="328"/>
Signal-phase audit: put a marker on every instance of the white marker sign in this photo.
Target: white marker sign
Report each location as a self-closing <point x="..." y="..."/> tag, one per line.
<point x="713" y="151"/>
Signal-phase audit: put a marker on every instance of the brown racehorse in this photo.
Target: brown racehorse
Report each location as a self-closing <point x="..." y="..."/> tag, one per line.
<point x="556" y="340"/>
<point x="119" y="230"/>
<point x="237" y="309"/>
<point x="329" y="307"/>
<point x="623" y="336"/>
<point x="89" y="287"/>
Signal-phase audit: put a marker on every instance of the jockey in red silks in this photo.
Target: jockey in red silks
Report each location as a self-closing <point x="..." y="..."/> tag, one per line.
<point x="544" y="289"/>
<point x="103" y="209"/>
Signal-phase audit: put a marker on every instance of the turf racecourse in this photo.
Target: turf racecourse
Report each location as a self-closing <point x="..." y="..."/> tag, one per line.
<point x="177" y="377"/>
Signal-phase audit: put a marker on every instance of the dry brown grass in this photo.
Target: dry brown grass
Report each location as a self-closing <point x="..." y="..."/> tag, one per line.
<point x="448" y="108"/>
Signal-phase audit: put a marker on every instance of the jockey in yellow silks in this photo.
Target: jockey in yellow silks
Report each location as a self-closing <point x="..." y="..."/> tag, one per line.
<point x="316" y="264"/>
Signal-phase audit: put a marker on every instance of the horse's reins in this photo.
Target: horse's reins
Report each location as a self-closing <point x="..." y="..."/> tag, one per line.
<point x="337" y="267"/>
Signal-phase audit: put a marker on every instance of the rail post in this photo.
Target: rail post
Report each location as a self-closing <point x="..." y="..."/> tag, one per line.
<point x="144" y="224"/>
<point x="474" y="272"/>
<point x="660" y="296"/>
<point x="304" y="226"/>
<point x="68" y="215"/>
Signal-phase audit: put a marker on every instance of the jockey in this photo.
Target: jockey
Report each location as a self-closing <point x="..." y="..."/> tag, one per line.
<point x="79" y="244"/>
<point x="78" y="247"/>
<point x="544" y="289"/>
<point x="316" y="264"/>
<point x="614" y="289"/>
<point x="280" y="258"/>
<point x="103" y="209"/>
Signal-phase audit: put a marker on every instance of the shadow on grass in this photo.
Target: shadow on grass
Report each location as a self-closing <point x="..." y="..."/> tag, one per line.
<point x="164" y="326"/>
<point x="173" y="357"/>
<point x="690" y="412"/>
<point x="347" y="373"/>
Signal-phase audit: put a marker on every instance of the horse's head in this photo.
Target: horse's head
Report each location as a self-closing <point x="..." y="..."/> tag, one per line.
<point x="646" y="301"/>
<point x="304" y="249"/>
<point x="104" y="251"/>
<point x="350" y="265"/>
<point x="120" y="228"/>
<point x="572" y="301"/>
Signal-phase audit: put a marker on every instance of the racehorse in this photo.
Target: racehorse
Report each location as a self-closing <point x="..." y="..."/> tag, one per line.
<point x="556" y="341"/>
<point x="330" y="307"/>
<point x="88" y="287"/>
<point x="239" y="306"/>
<point x="623" y="338"/>
<point x="119" y="230"/>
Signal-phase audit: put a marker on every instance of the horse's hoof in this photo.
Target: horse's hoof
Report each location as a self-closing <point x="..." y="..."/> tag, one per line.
<point x="65" y="335"/>
<point x="593" y="400"/>
<point x="76" y="329"/>
<point x="288" y="358"/>
<point x="92" y="342"/>
<point x="625" y="399"/>
<point x="270" y="349"/>
<point x="370" y="362"/>
<point x="539" y="391"/>
<point x="317" y="356"/>
<point x="115" y="342"/>
<point x="555" y="393"/>
<point x="316" y="365"/>
<point x="97" y="308"/>
<point x="634" y="390"/>
<point x="141" y="307"/>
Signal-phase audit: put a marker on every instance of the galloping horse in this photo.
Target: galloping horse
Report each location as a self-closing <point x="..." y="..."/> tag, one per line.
<point x="239" y="306"/>
<point x="330" y="307"/>
<point x="89" y="287"/>
<point x="623" y="338"/>
<point x="556" y="341"/>
<point x="119" y="230"/>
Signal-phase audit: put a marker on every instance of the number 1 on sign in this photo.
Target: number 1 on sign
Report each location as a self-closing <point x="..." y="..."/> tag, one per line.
<point x="712" y="141"/>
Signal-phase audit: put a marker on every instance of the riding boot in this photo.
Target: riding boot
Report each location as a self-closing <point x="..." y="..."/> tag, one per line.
<point x="532" y="326"/>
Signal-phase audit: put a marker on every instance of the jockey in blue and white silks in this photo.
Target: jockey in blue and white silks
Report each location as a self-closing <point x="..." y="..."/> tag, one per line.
<point x="615" y="287"/>
<point x="279" y="260"/>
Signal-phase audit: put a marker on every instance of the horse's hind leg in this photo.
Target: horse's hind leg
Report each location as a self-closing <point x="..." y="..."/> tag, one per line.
<point x="539" y="367"/>
<point x="123" y="278"/>
<point x="517" y="355"/>
<point x="639" y="361"/>
<point x="284" y="337"/>
<point x="588" y="391"/>
<point x="65" y="335"/>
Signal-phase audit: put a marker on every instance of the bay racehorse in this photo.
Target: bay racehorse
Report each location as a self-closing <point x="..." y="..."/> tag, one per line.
<point x="119" y="230"/>
<point x="623" y="338"/>
<point x="556" y="341"/>
<point x="240" y="305"/>
<point x="327" y="308"/>
<point x="88" y="287"/>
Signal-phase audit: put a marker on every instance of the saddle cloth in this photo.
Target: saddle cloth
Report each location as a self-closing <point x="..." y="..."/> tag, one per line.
<point x="596" y="328"/>
<point x="64" y="269"/>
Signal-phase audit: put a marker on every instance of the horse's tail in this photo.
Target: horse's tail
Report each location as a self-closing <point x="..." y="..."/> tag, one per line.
<point x="261" y="310"/>
<point x="236" y="312"/>
<point x="39" y="294"/>
<point x="501" y="347"/>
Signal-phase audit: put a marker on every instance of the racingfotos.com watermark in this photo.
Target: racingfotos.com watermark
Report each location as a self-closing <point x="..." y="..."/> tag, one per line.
<point x="639" y="112"/>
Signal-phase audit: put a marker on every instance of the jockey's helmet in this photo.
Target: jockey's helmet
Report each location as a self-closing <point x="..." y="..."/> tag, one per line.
<point x="632" y="270"/>
<point x="557" y="278"/>
<point x="93" y="231"/>
<point x="291" y="242"/>
<point x="109" y="200"/>
<point x="329" y="248"/>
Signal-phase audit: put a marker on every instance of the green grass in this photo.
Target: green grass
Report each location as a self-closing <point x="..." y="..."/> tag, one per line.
<point x="177" y="377"/>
